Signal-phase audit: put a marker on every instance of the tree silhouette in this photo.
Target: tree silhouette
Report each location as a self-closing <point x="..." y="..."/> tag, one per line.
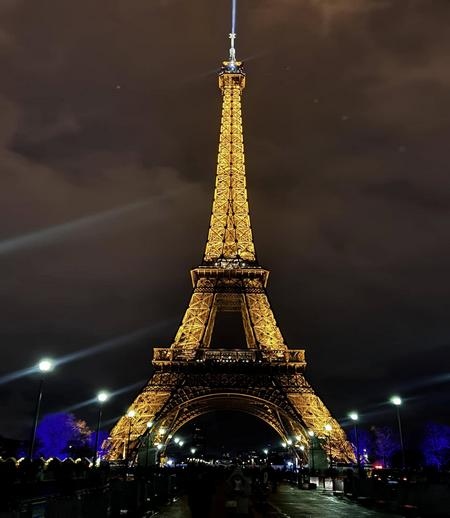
<point x="385" y="442"/>
<point x="436" y="445"/>
<point x="365" y="441"/>
<point x="61" y="435"/>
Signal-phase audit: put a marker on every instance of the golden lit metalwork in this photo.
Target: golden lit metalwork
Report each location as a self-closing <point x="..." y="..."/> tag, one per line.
<point x="264" y="378"/>
<point x="230" y="234"/>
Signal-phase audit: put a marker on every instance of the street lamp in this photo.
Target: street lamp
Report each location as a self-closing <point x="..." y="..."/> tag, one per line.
<point x="311" y="435"/>
<point x="102" y="397"/>
<point x="44" y="366"/>
<point x="355" y="417"/>
<point x="397" y="402"/>
<point x="130" y="415"/>
<point x="328" y="429"/>
<point x="147" y="443"/>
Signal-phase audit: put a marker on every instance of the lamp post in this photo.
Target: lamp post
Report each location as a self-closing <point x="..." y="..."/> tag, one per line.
<point x="302" y="449"/>
<point x="44" y="366"/>
<point x="149" y="425"/>
<point x="328" y="429"/>
<point x="130" y="415"/>
<point x="397" y="402"/>
<point x="102" y="397"/>
<point x="311" y="436"/>
<point x="355" y="417"/>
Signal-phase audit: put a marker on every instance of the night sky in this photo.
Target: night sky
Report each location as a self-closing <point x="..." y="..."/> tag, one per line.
<point x="108" y="140"/>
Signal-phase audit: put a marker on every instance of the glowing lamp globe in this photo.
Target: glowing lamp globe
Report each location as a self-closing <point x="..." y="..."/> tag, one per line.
<point x="46" y="365"/>
<point x="396" y="400"/>
<point x="102" y="396"/>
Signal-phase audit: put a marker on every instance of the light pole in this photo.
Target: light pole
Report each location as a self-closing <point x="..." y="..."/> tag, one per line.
<point x="328" y="429"/>
<point x="130" y="414"/>
<point x="149" y="425"/>
<point x="44" y="366"/>
<point x="311" y="436"/>
<point x="302" y="449"/>
<point x="355" y="417"/>
<point x="102" y="397"/>
<point x="397" y="401"/>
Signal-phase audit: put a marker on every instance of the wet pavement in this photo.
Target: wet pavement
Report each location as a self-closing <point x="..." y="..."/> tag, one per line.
<point x="291" y="502"/>
<point x="178" y="509"/>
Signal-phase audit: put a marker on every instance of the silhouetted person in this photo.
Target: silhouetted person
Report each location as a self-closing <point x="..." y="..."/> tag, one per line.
<point x="238" y="497"/>
<point x="199" y="491"/>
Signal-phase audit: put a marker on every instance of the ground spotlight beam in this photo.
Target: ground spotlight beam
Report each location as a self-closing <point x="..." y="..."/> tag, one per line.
<point x="50" y="234"/>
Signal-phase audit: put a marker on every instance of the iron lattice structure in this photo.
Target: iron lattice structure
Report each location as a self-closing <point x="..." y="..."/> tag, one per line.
<point x="262" y="377"/>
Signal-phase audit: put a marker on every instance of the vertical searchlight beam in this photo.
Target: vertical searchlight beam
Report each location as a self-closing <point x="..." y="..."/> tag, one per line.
<point x="233" y="16"/>
<point x="233" y="31"/>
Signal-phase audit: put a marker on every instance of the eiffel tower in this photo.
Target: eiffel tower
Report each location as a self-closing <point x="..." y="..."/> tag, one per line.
<point x="263" y="377"/>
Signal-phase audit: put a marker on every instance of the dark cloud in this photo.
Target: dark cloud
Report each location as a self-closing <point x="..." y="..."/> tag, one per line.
<point x="106" y="104"/>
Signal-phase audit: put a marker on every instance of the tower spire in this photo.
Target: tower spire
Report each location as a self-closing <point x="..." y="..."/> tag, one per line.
<point x="230" y="240"/>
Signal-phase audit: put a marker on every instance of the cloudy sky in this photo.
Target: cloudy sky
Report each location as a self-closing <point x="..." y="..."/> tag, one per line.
<point x="108" y="139"/>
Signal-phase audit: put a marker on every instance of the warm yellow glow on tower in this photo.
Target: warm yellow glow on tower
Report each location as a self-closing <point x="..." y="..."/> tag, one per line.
<point x="230" y="234"/>
<point x="261" y="376"/>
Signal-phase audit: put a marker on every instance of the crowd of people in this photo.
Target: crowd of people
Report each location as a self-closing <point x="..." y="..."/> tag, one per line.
<point x="233" y="491"/>
<point x="210" y="491"/>
<point x="40" y="478"/>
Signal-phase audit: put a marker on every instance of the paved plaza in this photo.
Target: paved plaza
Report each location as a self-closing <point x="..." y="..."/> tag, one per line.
<point x="291" y="502"/>
<point x="294" y="503"/>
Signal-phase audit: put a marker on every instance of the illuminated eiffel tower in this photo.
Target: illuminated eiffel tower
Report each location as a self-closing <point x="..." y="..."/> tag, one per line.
<point x="261" y="377"/>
